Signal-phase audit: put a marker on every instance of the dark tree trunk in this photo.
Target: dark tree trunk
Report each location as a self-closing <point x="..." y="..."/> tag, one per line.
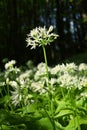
<point x="59" y="21"/>
<point x="35" y="13"/>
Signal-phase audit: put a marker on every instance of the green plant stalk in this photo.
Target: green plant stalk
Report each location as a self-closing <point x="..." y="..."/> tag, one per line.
<point x="50" y="118"/>
<point x="70" y="98"/>
<point x="5" y="90"/>
<point x="62" y="92"/>
<point x="1" y="94"/>
<point x="79" y="128"/>
<point x="9" y="105"/>
<point x="49" y="96"/>
<point x="45" y="58"/>
<point x="52" y="107"/>
<point x="8" y="90"/>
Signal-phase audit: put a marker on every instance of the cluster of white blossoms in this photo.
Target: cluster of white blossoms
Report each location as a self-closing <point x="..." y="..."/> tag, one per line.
<point x="84" y="94"/>
<point x="40" y="37"/>
<point x="34" y="80"/>
<point x="68" y="81"/>
<point x="82" y="67"/>
<point x="10" y="64"/>
<point x="11" y="71"/>
<point x="41" y="72"/>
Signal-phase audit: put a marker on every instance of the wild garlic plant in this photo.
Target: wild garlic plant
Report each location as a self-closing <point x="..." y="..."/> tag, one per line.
<point x="10" y="74"/>
<point x="42" y="37"/>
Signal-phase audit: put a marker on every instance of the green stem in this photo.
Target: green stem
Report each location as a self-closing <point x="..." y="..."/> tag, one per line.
<point x="62" y="92"/>
<point x="51" y="120"/>
<point x="45" y="58"/>
<point x="49" y="94"/>
<point x="1" y="94"/>
<point x="52" y="107"/>
<point x="79" y="128"/>
<point x="7" y="89"/>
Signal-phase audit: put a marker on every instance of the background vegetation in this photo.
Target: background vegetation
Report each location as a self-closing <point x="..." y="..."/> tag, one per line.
<point x="18" y="17"/>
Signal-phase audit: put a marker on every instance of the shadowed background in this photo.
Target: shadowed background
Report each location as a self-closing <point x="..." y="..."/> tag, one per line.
<point x="18" y="17"/>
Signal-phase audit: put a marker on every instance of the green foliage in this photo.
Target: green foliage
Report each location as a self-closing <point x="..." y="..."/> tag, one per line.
<point x="80" y="58"/>
<point x="68" y="103"/>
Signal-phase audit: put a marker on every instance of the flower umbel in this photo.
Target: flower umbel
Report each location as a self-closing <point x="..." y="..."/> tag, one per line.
<point x="40" y="37"/>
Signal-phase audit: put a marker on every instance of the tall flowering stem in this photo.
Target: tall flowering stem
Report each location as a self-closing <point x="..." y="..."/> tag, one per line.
<point x="42" y="37"/>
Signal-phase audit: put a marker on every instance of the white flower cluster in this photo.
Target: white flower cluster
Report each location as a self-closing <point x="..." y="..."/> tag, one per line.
<point x="11" y="71"/>
<point x="40" y="36"/>
<point x="21" y="94"/>
<point x="82" y="66"/>
<point x="84" y="94"/>
<point x="10" y="64"/>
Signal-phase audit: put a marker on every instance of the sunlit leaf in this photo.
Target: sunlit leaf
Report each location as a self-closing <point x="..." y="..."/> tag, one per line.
<point x="64" y="113"/>
<point x="45" y="124"/>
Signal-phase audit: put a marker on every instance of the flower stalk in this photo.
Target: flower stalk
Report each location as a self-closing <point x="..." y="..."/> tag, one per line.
<point x="42" y="37"/>
<point x="45" y="58"/>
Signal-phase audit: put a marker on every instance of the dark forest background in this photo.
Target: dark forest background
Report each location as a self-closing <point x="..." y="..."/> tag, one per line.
<point x="18" y="17"/>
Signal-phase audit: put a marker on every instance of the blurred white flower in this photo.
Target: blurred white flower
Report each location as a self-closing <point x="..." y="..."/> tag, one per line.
<point x="41" y="72"/>
<point x="13" y="84"/>
<point x="71" y="67"/>
<point x="53" y="81"/>
<point x="82" y="81"/>
<point x="84" y="94"/>
<point x="10" y="64"/>
<point x="82" y="66"/>
<point x="37" y="86"/>
<point x="55" y="70"/>
<point x="68" y="81"/>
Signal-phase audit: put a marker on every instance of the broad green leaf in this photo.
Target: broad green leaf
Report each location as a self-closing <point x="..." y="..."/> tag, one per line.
<point x="62" y="105"/>
<point x="31" y="108"/>
<point x="73" y="124"/>
<point x="64" y="113"/>
<point x="59" y="126"/>
<point x="45" y="124"/>
<point x="3" y="115"/>
<point x="5" y="127"/>
<point x="83" y="120"/>
<point x="5" y="99"/>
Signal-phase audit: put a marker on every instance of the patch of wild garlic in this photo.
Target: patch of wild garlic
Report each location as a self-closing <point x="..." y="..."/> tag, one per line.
<point x="29" y="81"/>
<point x="11" y="71"/>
